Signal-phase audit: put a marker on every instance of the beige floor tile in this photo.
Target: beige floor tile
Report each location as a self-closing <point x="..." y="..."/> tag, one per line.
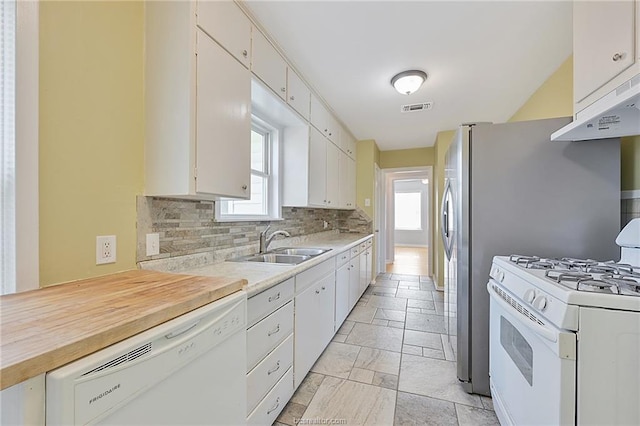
<point x="425" y="322"/>
<point x="412" y="350"/>
<point x="392" y="303"/>
<point x="378" y="360"/>
<point x="357" y="403"/>
<point x="396" y="324"/>
<point x="432" y="353"/>
<point x="389" y="381"/>
<point x="421" y="410"/>
<point x="415" y="294"/>
<point x="346" y="327"/>
<point x="472" y="416"/>
<point x="361" y="375"/>
<point x="340" y="338"/>
<point x="307" y="389"/>
<point x="433" y="378"/>
<point x="389" y="314"/>
<point x="385" y="283"/>
<point x="336" y="360"/>
<point x="422" y="338"/>
<point x="487" y="402"/>
<point x="423" y="304"/>
<point x="381" y="322"/>
<point x="362" y="314"/>
<point x="448" y="350"/>
<point x="375" y="336"/>
<point x="291" y="413"/>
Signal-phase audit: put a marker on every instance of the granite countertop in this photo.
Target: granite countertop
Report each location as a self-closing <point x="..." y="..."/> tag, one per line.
<point x="261" y="276"/>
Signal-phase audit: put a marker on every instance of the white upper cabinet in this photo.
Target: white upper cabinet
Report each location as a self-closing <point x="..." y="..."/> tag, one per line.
<point x="268" y="65"/>
<point x="333" y="175"/>
<point x="223" y="122"/>
<point x="228" y="25"/>
<point x="606" y="47"/>
<point x="298" y="94"/>
<point x="347" y="190"/>
<point x="197" y="109"/>
<point x="317" y="169"/>
<point x="347" y="143"/>
<point x="318" y="114"/>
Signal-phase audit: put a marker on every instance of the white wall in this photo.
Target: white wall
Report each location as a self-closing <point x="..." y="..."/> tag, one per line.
<point x="417" y="237"/>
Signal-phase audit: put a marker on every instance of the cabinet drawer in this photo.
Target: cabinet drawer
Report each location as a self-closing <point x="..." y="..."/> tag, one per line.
<point x="342" y="258"/>
<point x="268" y="301"/>
<point x="268" y="410"/>
<point x="262" y="378"/>
<point x="268" y="333"/>
<point x="355" y="251"/>
<point x="311" y="275"/>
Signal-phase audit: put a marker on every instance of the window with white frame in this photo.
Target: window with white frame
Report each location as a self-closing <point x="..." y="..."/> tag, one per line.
<point x="408" y="211"/>
<point x="264" y="202"/>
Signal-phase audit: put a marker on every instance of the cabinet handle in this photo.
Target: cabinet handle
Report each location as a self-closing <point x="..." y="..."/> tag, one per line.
<point x="616" y="57"/>
<point x="324" y="288"/>
<point x="329" y="201"/>
<point x="283" y="89"/>
<point x="293" y="98"/>
<point x="274" y="369"/>
<point x="274" y="331"/>
<point x="275" y="407"/>
<point x="245" y="53"/>
<point x="244" y="187"/>
<point x="274" y="298"/>
<point x="317" y="291"/>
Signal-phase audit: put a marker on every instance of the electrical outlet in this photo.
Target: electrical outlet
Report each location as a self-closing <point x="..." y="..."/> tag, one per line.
<point x="153" y="244"/>
<point x="325" y="224"/>
<point x="105" y="249"/>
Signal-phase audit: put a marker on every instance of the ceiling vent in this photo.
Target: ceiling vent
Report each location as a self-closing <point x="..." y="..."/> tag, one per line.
<point x="416" y="107"/>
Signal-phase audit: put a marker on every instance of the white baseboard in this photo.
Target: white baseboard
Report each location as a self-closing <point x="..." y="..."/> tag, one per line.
<point x="634" y="193"/>
<point x="412" y="245"/>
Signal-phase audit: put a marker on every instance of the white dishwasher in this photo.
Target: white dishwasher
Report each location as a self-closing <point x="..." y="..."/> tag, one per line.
<point x="189" y="370"/>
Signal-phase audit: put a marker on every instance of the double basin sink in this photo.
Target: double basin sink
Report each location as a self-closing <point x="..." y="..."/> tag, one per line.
<point x="284" y="255"/>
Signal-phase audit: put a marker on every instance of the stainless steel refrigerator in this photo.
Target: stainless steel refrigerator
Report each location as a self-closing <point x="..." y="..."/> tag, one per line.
<point x="510" y="190"/>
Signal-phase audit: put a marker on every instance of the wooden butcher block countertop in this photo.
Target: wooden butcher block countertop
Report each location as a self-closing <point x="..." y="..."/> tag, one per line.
<point x="46" y="328"/>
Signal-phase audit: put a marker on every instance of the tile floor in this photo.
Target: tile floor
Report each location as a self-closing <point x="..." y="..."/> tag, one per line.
<point x="389" y="364"/>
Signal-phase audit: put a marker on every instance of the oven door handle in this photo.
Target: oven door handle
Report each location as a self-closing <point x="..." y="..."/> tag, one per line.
<point x="542" y="331"/>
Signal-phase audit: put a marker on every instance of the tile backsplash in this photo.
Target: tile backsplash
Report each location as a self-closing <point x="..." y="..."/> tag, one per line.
<point x="187" y="227"/>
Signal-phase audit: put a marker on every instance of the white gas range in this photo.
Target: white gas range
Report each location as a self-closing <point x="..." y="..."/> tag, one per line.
<point x="565" y="338"/>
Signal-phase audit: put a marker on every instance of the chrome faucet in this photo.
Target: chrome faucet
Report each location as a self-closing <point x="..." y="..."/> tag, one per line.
<point x="265" y="241"/>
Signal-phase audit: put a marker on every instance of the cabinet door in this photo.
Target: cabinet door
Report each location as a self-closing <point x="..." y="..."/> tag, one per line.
<point x="342" y="295"/>
<point x="314" y="324"/>
<point x="351" y="150"/>
<point x="318" y="114"/>
<point x="298" y="94"/>
<point x="333" y="176"/>
<point x="347" y="182"/>
<point x="268" y="65"/>
<point x="332" y="132"/>
<point x="228" y="25"/>
<point x="365" y="270"/>
<point x="317" y="169"/>
<point x="603" y="43"/>
<point x="223" y="121"/>
<point x="354" y="281"/>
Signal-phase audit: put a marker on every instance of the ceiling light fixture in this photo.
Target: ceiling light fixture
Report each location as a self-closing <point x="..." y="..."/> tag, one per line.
<point x="408" y="82"/>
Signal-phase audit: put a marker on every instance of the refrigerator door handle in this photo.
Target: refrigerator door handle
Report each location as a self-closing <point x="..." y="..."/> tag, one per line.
<point x="444" y="219"/>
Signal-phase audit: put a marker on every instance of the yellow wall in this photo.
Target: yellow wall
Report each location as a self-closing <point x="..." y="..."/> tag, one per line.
<point x="415" y="157"/>
<point x="630" y="163"/>
<point x="368" y="155"/>
<point x="553" y="99"/>
<point x="91" y="134"/>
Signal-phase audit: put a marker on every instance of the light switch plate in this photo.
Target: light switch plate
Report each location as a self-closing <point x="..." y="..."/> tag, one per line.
<point x="367" y="202"/>
<point x="153" y="244"/>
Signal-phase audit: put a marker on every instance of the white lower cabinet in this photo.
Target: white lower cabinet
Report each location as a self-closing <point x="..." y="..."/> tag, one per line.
<point x="314" y="324"/>
<point x="342" y="294"/>
<point x="270" y="407"/>
<point x="269" y="353"/>
<point x="354" y="279"/>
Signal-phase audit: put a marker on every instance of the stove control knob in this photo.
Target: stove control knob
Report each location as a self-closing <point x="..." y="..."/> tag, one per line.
<point x="529" y="295"/>
<point x="540" y="303"/>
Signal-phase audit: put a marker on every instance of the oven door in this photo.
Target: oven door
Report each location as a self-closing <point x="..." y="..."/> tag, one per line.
<point x="532" y="364"/>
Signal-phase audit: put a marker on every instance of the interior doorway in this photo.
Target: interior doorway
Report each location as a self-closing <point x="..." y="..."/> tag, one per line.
<point x="408" y="221"/>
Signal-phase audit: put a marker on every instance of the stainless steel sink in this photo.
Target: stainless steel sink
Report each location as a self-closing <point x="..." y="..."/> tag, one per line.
<point x="300" y="251"/>
<point x="283" y="255"/>
<point x="287" y="259"/>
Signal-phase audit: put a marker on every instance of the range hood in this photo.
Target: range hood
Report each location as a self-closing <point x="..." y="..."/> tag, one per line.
<point x="616" y="114"/>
